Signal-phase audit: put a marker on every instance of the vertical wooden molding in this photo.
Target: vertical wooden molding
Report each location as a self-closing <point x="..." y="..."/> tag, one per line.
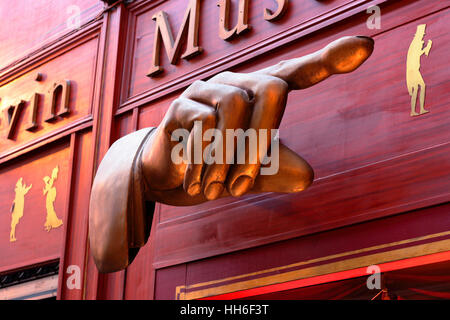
<point x="135" y="119"/>
<point x="108" y="80"/>
<point x="90" y="286"/>
<point x="68" y="224"/>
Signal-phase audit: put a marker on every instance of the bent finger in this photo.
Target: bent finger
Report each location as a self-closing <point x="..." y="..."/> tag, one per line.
<point x="233" y="110"/>
<point x="162" y="162"/>
<point x="270" y="95"/>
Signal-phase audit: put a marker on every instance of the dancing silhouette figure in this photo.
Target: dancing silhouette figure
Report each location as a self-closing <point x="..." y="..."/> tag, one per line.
<point x="52" y="220"/>
<point x="18" y="207"/>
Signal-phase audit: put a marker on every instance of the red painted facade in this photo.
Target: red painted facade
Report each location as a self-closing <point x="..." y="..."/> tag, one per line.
<point x="382" y="178"/>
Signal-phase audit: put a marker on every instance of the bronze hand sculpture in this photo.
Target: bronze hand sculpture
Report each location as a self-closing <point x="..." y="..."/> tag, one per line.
<point x="138" y="169"/>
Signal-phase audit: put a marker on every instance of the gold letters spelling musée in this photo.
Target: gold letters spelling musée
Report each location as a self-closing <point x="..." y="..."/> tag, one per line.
<point x="190" y="27"/>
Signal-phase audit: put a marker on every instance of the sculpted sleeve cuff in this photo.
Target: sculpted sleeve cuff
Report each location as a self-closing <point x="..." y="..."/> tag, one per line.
<point x="119" y="217"/>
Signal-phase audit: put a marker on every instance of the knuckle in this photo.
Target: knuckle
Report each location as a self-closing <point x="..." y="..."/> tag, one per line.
<point x="232" y="97"/>
<point x="209" y="119"/>
<point x="275" y="85"/>
<point x="221" y="76"/>
<point x="176" y="104"/>
<point x="236" y="97"/>
<point x="239" y="96"/>
<point x="171" y="114"/>
<point x="273" y="89"/>
<point x="192" y="89"/>
<point x="225" y="74"/>
<point x="196" y="85"/>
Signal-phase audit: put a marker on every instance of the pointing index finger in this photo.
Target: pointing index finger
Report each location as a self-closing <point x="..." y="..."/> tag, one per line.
<point x="340" y="56"/>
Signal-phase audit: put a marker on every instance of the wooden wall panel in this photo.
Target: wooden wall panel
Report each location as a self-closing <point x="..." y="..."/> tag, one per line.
<point x="167" y="280"/>
<point x="141" y="275"/>
<point x="232" y="272"/>
<point x="28" y="25"/>
<point x="215" y="50"/>
<point x="376" y="146"/>
<point x="37" y="38"/>
<point x="77" y="65"/>
<point x="421" y="229"/>
<point x="379" y="160"/>
<point x="33" y="243"/>
<point x="314" y="123"/>
<point x="75" y="243"/>
<point x="371" y="158"/>
<point x="106" y="286"/>
<point x="123" y="125"/>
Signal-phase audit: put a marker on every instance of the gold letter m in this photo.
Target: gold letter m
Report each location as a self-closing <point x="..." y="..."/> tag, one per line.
<point x="190" y="23"/>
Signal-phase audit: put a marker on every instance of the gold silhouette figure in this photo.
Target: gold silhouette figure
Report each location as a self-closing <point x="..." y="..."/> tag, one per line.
<point x="17" y="207"/>
<point x="52" y="220"/>
<point x="413" y="76"/>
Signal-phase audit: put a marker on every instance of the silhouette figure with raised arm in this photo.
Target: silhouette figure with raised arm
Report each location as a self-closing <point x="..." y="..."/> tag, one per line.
<point x="52" y="221"/>
<point x="18" y="206"/>
<point x="414" y="78"/>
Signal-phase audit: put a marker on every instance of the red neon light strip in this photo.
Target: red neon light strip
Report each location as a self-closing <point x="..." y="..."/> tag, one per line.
<point x="359" y="272"/>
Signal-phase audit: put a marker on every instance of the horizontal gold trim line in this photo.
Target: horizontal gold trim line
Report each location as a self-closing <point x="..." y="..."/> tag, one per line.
<point x="334" y="256"/>
<point x="377" y="258"/>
